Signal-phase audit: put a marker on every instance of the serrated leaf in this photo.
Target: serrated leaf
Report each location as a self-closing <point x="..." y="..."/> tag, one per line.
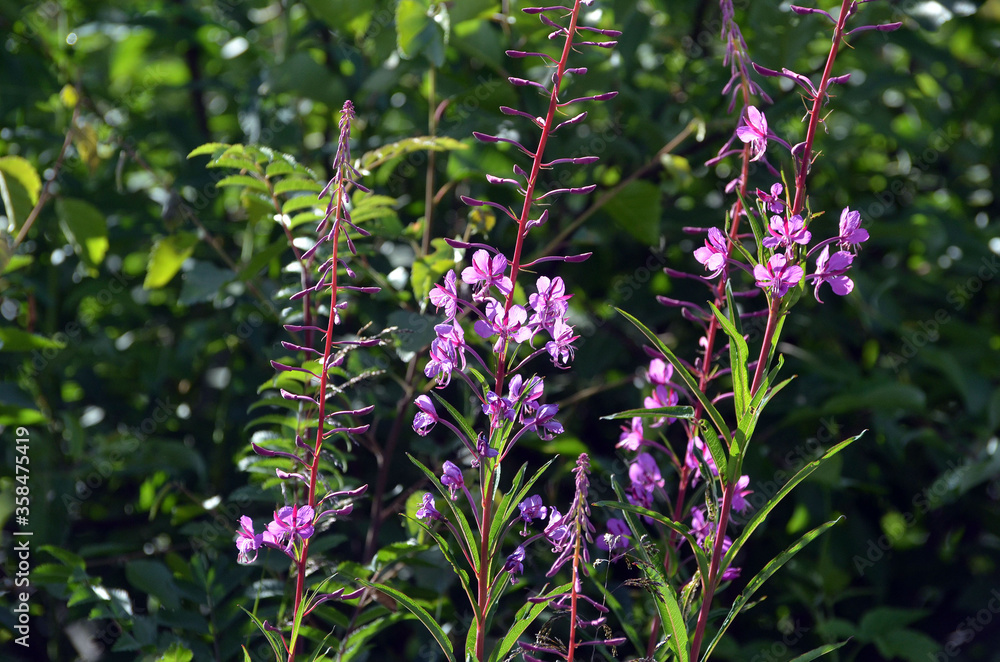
<point x="421" y="143"/>
<point x="208" y="148"/>
<point x="418" y="611"/>
<point x="85" y="227"/>
<point x="289" y="184"/>
<point x="244" y="181"/>
<point x="166" y="258"/>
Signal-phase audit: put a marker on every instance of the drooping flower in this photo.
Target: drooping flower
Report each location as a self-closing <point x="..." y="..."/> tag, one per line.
<point x="549" y="303"/>
<point x="754" y="132"/>
<point x="486" y="271"/>
<point x="740" y="502"/>
<point x="427" y="510"/>
<point x="617" y="537"/>
<point x="831" y="269"/>
<point x="560" y="348"/>
<point x="777" y="275"/>
<point x="497" y="408"/>
<point x="851" y="232"/>
<point x="775" y="203"/>
<point x="661" y="397"/>
<point x="542" y="420"/>
<point x="446" y="296"/>
<point x="248" y="541"/>
<point x="426" y="417"/>
<point x="514" y="565"/>
<point x="531" y="509"/>
<point x="447" y="353"/>
<point x="631" y="439"/>
<point x="483" y="449"/>
<point x="452" y="478"/>
<point x="645" y="474"/>
<point x="290" y="525"/>
<point x="659" y="372"/>
<point x="714" y="253"/>
<point x="785" y="232"/>
<point x="557" y="530"/>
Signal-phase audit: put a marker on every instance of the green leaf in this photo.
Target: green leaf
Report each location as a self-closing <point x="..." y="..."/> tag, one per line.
<point x="422" y="26"/>
<point x="886" y="397"/>
<point x="463" y="523"/>
<point x="16" y="340"/>
<point x="208" y="148"/>
<point x="681" y="370"/>
<point x="154" y="578"/>
<point x="760" y="515"/>
<point x="289" y="184"/>
<point x="907" y="644"/>
<point x="818" y="652"/>
<point x="522" y="621"/>
<point x="176" y="653"/>
<point x="203" y="282"/>
<point x="881" y="620"/>
<point x="67" y="557"/>
<point x="761" y="577"/>
<point x="261" y="259"/>
<point x="637" y="209"/>
<point x="671" y="618"/>
<point x="20" y="186"/>
<point x="656" y="412"/>
<point x="166" y="258"/>
<point x="739" y="355"/>
<point x="417" y="611"/>
<point x="243" y="181"/>
<point x="421" y="143"/>
<point x="85" y="228"/>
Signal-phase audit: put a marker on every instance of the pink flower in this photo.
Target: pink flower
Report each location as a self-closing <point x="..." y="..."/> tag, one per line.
<point x="831" y="269"/>
<point x="777" y="275"/>
<point x="485" y="272"/>
<point x="714" y="253"/>
<point x="446" y="296"/>
<point x="754" y="132"/>
<point x="785" y="232"/>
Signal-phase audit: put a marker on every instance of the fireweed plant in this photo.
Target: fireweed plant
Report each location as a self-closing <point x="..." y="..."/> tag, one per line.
<point x="783" y="258"/>
<point x="493" y="334"/>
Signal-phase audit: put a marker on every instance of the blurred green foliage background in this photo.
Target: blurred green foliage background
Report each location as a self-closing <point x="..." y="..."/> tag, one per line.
<point x="135" y="374"/>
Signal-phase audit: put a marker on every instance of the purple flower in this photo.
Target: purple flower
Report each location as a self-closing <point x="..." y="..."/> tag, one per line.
<point x="426" y="417"/>
<point x="483" y="448"/>
<point x="754" y="131"/>
<point x="486" y="271"/>
<point x="631" y="438"/>
<point x="509" y="324"/>
<point x="549" y="303"/>
<point x="661" y="397"/>
<point x="447" y="352"/>
<point x="617" y="537"/>
<point x="659" y="372"/>
<point x="831" y="269"/>
<point x="531" y="509"/>
<point x="427" y="509"/>
<point x="514" y="565"/>
<point x="446" y="296"/>
<point x="560" y="348"/>
<point x="851" y="232"/>
<point x="542" y="420"/>
<point x="644" y="473"/>
<point x="775" y="203"/>
<point x="714" y="253"/>
<point x="556" y="530"/>
<point x="248" y="541"/>
<point x="777" y="275"/>
<point x="785" y="232"/>
<point x="526" y="392"/>
<point x="452" y="478"/>
<point x="290" y="524"/>
<point x="740" y="502"/>
<point x="497" y="408"/>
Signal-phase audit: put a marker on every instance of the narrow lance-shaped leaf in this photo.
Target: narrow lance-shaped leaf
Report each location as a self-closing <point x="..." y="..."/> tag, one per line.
<point x="419" y="612"/>
<point x="762" y="577"/>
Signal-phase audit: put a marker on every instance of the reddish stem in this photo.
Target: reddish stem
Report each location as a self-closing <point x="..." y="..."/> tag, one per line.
<point x="323" y="379"/>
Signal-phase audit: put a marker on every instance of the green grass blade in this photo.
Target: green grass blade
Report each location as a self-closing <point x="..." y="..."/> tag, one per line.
<point x="418" y="611"/>
<point x="818" y="652"/>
